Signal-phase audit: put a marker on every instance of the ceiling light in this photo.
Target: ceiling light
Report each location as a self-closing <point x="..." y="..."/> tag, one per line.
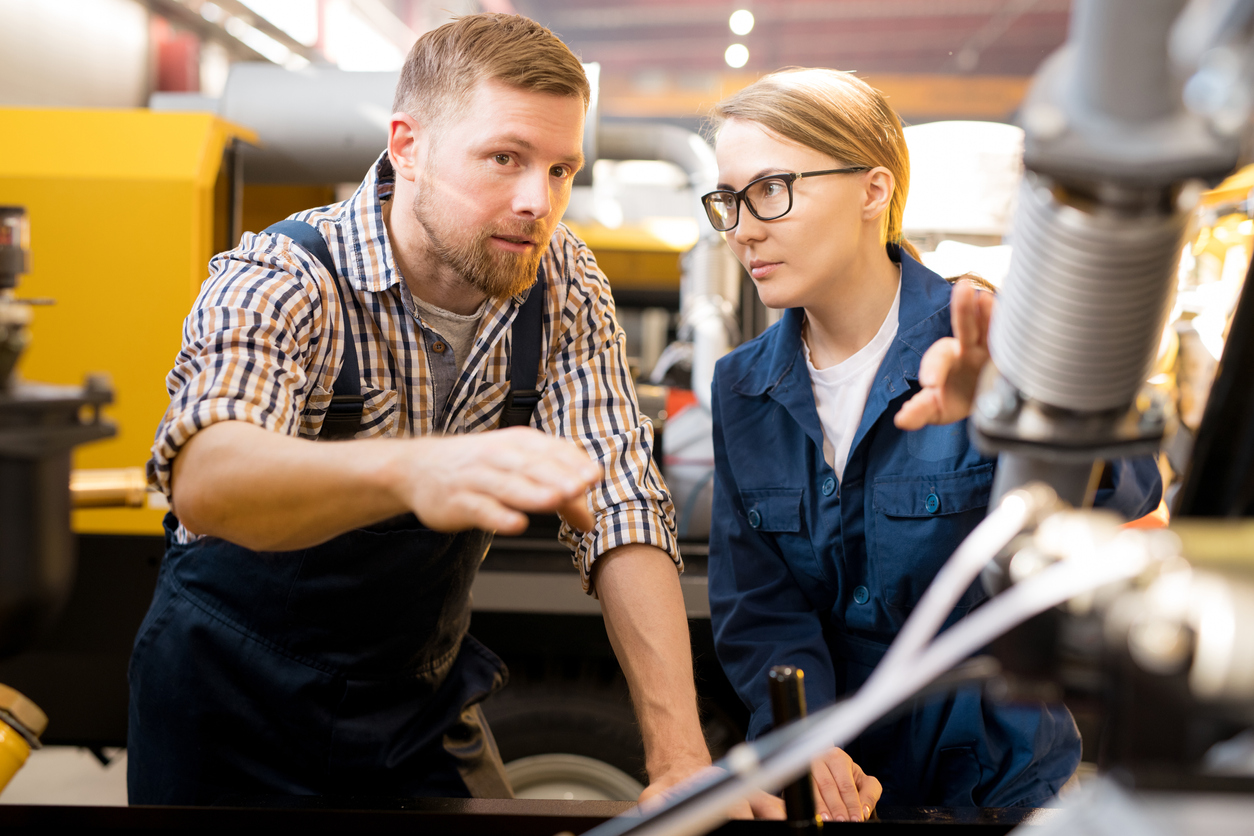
<point x="741" y="22"/>
<point x="736" y="56"/>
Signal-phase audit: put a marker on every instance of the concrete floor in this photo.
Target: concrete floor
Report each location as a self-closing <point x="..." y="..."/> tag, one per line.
<point x="68" y="775"/>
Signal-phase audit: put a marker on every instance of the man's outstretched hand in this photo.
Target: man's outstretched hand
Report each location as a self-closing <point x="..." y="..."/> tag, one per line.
<point x="493" y="480"/>
<point x="951" y="367"/>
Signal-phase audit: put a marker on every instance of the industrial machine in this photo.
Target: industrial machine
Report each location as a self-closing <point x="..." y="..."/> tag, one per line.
<point x="39" y="425"/>
<point x="1147" y="102"/>
<point x="1124" y="126"/>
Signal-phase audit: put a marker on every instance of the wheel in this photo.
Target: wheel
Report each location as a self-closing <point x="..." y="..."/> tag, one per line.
<point x="560" y="775"/>
<point x="565" y="734"/>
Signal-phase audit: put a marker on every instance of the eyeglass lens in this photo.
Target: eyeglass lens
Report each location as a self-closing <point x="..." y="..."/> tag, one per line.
<point x="768" y="198"/>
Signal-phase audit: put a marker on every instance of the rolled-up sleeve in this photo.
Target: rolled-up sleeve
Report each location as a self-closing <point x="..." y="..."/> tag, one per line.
<point x="245" y="348"/>
<point x="589" y="398"/>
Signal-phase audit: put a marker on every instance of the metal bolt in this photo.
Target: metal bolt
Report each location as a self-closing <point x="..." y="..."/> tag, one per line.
<point x="998" y="403"/>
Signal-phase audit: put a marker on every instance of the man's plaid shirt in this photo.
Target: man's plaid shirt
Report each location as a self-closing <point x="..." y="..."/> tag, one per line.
<point x="264" y="343"/>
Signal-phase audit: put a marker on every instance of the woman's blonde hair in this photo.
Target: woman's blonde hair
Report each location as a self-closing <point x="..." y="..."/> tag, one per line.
<point x="838" y="114"/>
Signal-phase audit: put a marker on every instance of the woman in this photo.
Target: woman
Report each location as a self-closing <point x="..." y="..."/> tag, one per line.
<point x="830" y="517"/>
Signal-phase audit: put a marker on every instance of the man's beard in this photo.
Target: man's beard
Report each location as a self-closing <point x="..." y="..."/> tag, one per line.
<point x="471" y="254"/>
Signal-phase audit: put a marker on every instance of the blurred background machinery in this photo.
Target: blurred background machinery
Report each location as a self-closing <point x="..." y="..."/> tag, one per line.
<point x="222" y="117"/>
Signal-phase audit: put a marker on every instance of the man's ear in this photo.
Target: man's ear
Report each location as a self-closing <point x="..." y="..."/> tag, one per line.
<point x="406" y="146"/>
<point x="879" y="192"/>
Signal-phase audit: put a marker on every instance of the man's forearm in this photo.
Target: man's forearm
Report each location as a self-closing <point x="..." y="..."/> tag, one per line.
<point x="271" y="492"/>
<point x="644" y="615"/>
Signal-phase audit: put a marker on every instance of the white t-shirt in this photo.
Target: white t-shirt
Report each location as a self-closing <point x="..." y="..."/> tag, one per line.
<point x="840" y="391"/>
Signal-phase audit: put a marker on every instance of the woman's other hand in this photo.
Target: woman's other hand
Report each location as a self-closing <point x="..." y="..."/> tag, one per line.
<point x="843" y="792"/>
<point x="951" y="367"/>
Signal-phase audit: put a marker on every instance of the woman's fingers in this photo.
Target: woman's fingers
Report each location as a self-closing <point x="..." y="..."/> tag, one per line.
<point x="950" y="368"/>
<point x="836" y="784"/>
<point x="869" y="789"/>
<point x="928" y="406"/>
<point x="919" y="411"/>
<point x="938" y="361"/>
<point x="966" y="317"/>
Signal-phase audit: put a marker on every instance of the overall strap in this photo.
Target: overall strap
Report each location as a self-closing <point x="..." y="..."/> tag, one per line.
<point x="524" y="363"/>
<point x="343" y="416"/>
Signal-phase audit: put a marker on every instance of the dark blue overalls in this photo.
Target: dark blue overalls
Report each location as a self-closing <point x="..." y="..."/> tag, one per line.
<point x="342" y="669"/>
<point x="821" y="573"/>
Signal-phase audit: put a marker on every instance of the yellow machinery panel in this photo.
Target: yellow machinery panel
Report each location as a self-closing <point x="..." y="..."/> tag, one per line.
<point x="126" y="207"/>
<point x="633" y="257"/>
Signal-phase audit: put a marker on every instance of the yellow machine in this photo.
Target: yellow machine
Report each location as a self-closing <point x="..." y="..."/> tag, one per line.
<point x="126" y="208"/>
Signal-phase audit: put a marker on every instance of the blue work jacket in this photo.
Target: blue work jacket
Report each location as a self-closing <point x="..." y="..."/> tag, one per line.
<point x="821" y="573"/>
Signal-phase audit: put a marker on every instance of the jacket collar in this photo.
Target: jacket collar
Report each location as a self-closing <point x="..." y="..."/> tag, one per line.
<point x="922" y="318"/>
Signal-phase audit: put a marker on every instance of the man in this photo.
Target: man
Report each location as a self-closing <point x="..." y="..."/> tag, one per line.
<point x="308" y="636"/>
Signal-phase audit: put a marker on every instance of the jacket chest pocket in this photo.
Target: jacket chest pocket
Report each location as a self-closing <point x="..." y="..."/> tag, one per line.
<point x="778" y="513"/>
<point x="919" y="521"/>
<point x="378" y="414"/>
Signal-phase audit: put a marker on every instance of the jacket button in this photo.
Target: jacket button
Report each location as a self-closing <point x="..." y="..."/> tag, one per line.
<point x="861" y="594"/>
<point x="932" y="503"/>
<point x="829" y="485"/>
<point x="438" y="348"/>
<point x="755" y="519"/>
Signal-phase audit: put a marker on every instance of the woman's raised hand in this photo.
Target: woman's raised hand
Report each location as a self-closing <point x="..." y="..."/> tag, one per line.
<point x="951" y="367"/>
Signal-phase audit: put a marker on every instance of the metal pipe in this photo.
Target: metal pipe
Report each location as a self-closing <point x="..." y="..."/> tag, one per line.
<point x="121" y="487"/>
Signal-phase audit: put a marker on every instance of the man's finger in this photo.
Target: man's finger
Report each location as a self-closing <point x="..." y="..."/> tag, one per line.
<point x="555" y="461"/>
<point x="564" y="452"/>
<point x="767" y="806"/>
<point x="575" y="512"/>
<point x="468" y="509"/>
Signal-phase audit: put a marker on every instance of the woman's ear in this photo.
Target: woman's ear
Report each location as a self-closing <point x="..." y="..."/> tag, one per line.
<point x="879" y="192"/>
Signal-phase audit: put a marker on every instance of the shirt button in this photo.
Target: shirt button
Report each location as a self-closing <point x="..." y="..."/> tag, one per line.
<point x="438" y="348"/>
<point x="755" y="519"/>
<point x="829" y="485"/>
<point x="932" y="503"/>
<point x="861" y="594"/>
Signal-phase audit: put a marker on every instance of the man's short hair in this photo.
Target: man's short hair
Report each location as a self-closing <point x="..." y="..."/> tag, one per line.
<point x="446" y="64"/>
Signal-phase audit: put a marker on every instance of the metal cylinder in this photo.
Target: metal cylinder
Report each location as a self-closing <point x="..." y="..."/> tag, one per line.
<point x="788" y="703"/>
<point x="37" y="548"/>
<point x="1088" y="293"/>
<point x="1138" y="87"/>
<point x="115" y="487"/>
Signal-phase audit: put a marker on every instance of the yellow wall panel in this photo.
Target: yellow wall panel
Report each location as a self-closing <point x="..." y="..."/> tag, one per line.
<point x="122" y="223"/>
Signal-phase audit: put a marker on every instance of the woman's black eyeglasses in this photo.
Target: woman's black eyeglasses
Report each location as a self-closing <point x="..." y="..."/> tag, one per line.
<point x="768" y="197"/>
